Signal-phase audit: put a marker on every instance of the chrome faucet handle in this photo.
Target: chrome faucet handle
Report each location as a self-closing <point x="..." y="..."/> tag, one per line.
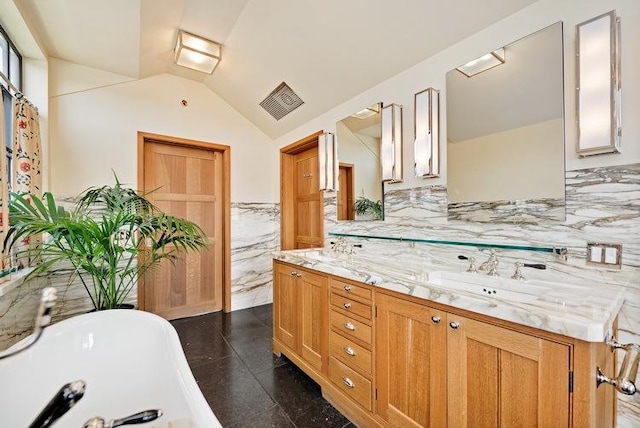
<point x="138" y="418"/>
<point x="60" y="403"/>
<point x="518" y="273"/>
<point x="488" y="265"/>
<point x="472" y="265"/>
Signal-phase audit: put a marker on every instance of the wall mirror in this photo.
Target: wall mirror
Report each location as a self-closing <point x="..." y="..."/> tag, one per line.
<point x="360" y="195"/>
<point x="505" y="134"/>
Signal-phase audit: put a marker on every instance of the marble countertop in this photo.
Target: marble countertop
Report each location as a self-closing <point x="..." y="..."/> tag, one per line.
<point x="578" y="310"/>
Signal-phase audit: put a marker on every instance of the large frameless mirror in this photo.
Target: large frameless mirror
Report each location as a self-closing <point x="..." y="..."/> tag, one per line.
<point x="505" y="133"/>
<point x="360" y="195"/>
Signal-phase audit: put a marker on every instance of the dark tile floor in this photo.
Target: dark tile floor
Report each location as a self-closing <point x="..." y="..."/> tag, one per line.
<point x="245" y="384"/>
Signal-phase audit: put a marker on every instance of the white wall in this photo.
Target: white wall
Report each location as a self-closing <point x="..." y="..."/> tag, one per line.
<point x="95" y="117"/>
<point x="531" y="156"/>
<point x="431" y="72"/>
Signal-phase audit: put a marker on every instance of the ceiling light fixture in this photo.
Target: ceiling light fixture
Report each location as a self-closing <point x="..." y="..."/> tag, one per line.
<point x="367" y="112"/>
<point x="197" y="53"/>
<point x="484" y="63"/>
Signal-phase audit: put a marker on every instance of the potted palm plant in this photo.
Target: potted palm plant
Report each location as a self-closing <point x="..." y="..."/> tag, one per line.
<point x="365" y="206"/>
<point x="110" y="237"/>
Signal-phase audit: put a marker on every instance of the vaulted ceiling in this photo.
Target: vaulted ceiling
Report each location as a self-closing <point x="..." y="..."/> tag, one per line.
<point x="328" y="51"/>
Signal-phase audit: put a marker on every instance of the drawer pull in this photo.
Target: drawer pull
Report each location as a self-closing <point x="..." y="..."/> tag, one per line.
<point x="348" y="382"/>
<point x="294" y="273"/>
<point x="435" y="319"/>
<point x="454" y="325"/>
<point x="349" y="326"/>
<point x="347" y="305"/>
<point x="349" y="351"/>
<point x="347" y="288"/>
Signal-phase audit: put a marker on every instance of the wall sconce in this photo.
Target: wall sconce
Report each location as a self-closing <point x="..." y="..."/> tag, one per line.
<point x="328" y="162"/>
<point x="598" y="94"/>
<point x="484" y="63"/>
<point x="197" y="53"/>
<point x="426" y="145"/>
<point x="391" y="143"/>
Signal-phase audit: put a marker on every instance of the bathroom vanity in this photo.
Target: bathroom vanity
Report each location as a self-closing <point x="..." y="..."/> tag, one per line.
<point x="396" y="349"/>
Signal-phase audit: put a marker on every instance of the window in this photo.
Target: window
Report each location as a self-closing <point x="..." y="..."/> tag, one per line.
<point x="11" y="82"/>
<point x="10" y="63"/>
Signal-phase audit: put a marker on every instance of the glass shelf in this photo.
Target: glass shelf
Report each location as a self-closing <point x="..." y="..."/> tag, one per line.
<point x="553" y="250"/>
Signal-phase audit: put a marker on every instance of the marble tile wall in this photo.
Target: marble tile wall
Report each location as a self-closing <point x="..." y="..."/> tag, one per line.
<point x="602" y="205"/>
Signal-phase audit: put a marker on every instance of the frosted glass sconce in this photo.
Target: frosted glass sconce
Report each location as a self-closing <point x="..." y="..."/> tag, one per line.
<point x="197" y="53"/>
<point x="598" y="92"/>
<point x="484" y="63"/>
<point x="328" y="162"/>
<point x="391" y="143"/>
<point x="427" y="133"/>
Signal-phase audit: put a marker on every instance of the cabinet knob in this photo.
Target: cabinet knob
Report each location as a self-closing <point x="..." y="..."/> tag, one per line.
<point x="454" y="325"/>
<point x="347" y="288"/>
<point x="294" y="273"/>
<point x="436" y="319"/>
<point x="298" y="275"/>
<point x="349" y="326"/>
<point x="348" y="382"/>
<point x="347" y="305"/>
<point x="349" y="351"/>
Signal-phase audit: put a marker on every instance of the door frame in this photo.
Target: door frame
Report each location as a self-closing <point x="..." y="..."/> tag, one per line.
<point x="287" y="190"/>
<point x="225" y="151"/>
<point x="349" y="191"/>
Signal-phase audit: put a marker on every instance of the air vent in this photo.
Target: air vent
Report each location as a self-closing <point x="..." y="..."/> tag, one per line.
<point x="281" y="101"/>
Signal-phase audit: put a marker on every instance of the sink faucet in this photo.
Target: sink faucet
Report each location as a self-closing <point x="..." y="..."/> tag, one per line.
<point x="491" y="265"/>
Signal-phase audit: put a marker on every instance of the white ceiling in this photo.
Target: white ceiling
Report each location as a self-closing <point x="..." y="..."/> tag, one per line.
<point x="327" y="51"/>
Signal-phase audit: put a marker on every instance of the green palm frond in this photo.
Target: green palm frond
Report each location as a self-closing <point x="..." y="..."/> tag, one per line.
<point x="111" y="237"/>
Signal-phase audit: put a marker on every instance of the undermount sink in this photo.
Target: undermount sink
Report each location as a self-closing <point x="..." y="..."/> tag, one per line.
<point x="489" y="286"/>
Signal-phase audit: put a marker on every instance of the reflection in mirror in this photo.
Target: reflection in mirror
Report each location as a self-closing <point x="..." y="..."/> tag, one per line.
<point x="359" y="195"/>
<point x="505" y="132"/>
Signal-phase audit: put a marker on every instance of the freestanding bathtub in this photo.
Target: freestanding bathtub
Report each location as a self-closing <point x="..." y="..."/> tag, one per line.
<point x="130" y="360"/>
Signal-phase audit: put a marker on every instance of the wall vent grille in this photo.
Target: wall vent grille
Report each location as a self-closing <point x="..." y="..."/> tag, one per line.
<point x="281" y="101"/>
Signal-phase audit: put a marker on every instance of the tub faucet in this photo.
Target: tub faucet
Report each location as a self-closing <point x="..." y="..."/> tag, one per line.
<point x="138" y="418"/>
<point x="43" y="319"/>
<point x="61" y="403"/>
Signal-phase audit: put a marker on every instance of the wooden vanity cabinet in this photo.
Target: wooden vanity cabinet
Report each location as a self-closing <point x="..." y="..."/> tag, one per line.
<point x="300" y="314"/>
<point x="386" y="359"/>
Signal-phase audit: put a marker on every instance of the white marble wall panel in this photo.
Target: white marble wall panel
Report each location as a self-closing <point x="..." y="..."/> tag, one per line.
<point x="255" y="235"/>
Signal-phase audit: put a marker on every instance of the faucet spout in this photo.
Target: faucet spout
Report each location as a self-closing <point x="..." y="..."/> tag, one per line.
<point x="62" y="401"/>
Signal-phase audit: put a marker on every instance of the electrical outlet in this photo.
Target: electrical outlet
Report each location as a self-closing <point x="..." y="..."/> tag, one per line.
<point x="600" y="254"/>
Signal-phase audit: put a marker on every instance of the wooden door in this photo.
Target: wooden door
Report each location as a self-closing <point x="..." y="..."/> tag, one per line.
<point x="410" y="363"/>
<point x="187" y="182"/>
<point x="301" y="201"/>
<point x="309" y="204"/>
<point x="345" y="202"/>
<point x="314" y="315"/>
<point x="501" y="378"/>
<point x="285" y="304"/>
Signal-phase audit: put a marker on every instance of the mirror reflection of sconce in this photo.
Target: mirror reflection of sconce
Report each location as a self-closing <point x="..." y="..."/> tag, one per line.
<point x="328" y="162"/>
<point x="391" y="143"/>
<point x="427" y="133"/>
<point x="484" y="63"/>
<point x="598" y="94"/>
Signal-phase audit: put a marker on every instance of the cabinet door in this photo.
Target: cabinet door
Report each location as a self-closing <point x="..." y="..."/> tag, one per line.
<point x="501" y="378"/>
<point x="314" y="332"/>
<point x="410" y="363"/>
<point x="285" y="307"/>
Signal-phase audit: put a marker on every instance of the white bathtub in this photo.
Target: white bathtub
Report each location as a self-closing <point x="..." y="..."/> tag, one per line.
<point x="130" y="360"/>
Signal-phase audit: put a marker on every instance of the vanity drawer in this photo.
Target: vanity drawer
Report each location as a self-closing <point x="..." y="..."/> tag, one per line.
<point x="351" y="306"/>
<point x="348" y="289"/>
<point x="350" y="382"/>
<point x="351" y="354"/>
<point x="350" y="327"/>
